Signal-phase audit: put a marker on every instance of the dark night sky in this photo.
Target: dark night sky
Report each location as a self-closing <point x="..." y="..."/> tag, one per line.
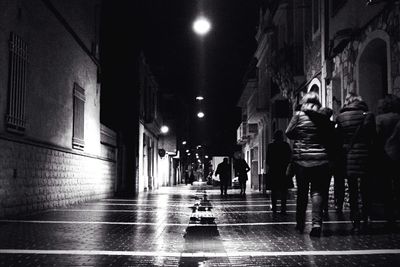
<point x="183" y="63"/>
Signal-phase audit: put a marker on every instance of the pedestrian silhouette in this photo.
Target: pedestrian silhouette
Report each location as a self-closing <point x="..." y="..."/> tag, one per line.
<point x="311" y="162"/>
<point x="224" y="172"/>
<point x="356" y="126"/>
<point x="241" y="168"/>
<point x="278" y="158"/>
<point x="388" y="142"/>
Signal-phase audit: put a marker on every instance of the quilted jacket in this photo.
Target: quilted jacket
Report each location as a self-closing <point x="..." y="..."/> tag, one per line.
<point x="309" y="146"/>
<point x="358" y="156"/>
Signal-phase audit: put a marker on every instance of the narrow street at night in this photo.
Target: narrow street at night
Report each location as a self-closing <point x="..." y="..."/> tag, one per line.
<point x="154" y="230"/>
<point x="199" y="133"/>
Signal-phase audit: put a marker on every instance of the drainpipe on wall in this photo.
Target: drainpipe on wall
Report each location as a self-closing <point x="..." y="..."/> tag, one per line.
<point x="326" y="66"/>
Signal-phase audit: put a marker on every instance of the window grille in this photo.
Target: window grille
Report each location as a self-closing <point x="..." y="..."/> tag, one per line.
<point x="78" y="138"/>
<point x="18" y="65"/>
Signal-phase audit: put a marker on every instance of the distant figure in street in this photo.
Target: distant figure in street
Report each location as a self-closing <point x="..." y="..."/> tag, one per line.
<point x="186" y="177"/>
<point x="385" y="126"/>
<point x="191" y="177"/>
<point x="278" y="158"/>
<point x="224" y="172"/>
<point x="356" y="126"/>
<point x="241" y="168"/>
<point x="308" y="128"/>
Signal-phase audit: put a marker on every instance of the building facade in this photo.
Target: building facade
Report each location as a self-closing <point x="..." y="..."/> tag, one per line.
<point x="53" y="149"/>
<point x="157" y="149"/>
<point x="328" y="46"/>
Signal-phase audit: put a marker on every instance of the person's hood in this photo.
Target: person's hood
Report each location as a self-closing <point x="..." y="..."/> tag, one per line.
<point x="356" y="105"/>
<point x="310" y="106"/>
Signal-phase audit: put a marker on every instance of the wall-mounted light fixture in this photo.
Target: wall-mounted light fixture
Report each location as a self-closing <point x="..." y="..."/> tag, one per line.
<point x="164" y="129"/>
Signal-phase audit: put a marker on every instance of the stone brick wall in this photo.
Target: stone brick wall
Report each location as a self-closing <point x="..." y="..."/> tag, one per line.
<point x="35" y="177"/>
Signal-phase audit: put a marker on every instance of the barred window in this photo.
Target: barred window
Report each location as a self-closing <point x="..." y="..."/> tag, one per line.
<point x="78" y="138"/>
<point x="18" y="65"/>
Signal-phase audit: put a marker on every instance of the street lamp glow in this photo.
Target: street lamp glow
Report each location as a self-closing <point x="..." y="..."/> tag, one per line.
<point x="201" y="26"/>
<point x="164" y="129"/>
<point x="200" y="114"/>
<point x="199" y="98"/>
<point x="187" y="150"/>
<point x="184" y="143"/>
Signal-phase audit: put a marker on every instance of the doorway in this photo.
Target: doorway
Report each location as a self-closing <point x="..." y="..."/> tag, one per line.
<point x="373" y="72"/>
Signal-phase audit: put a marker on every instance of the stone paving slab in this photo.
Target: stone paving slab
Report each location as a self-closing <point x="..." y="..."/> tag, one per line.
<point x="152" y="230"/>
<point x="88" y="260"/>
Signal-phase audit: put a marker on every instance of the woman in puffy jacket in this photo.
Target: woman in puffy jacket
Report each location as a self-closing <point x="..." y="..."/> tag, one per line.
<point x="357" y="129"/>
<point x="309" y="128"/>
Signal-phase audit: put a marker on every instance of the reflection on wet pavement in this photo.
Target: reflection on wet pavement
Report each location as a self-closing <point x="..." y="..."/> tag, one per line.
<point x="189" y="226"/>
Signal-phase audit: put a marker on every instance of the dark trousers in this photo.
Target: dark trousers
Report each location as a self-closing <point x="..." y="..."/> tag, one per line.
<point x="224" y="187"/>
<point x="391" y="189"/>
<point x="279" y="193"/>
<point x="242" y="183"/>
<point x="338" y="180"/>
<point x="359" y="186"/>
<point x="318" y="177"/>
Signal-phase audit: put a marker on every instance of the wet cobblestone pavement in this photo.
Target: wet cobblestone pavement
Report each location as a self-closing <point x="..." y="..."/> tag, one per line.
<point x="154" y="230"/>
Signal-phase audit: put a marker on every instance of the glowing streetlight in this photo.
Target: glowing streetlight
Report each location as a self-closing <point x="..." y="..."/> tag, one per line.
<point x="199" y="98"/>
<point x="183" y="142"/>
<point x="201" y="26"/>
<point x="164" y="129"/>
<point x="200" y="114"/>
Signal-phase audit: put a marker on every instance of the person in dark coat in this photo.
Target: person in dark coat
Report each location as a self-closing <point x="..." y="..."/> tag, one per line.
<point x="336" y="156"/>
<point x="278" y="157"/>
<point x="307" y="129"/>
<point x="241" y="168"/>
<point x="356" y="126"/>
<point x="224" y="172"/>
<point x="385" y="125"/>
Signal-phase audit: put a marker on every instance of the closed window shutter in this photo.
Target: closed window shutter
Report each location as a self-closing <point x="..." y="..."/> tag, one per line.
<point x="78" y="139"/>
<point x="18" y="65"/>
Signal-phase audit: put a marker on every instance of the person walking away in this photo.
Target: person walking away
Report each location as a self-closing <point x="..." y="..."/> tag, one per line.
<point x="224" y="172"/>
<point x="310" y="157"/>
<point x="356" y="126"/>
<point x="191" y="177"/>
<point x="385" y="127"/>
<point x="278" y="157"/>
<point x="336" y="156"/>
<point x="241" y="168"/>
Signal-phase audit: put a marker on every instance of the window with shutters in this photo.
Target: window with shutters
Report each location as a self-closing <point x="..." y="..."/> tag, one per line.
<point x="18" y="65"/>
<point x="78" y="138"/>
